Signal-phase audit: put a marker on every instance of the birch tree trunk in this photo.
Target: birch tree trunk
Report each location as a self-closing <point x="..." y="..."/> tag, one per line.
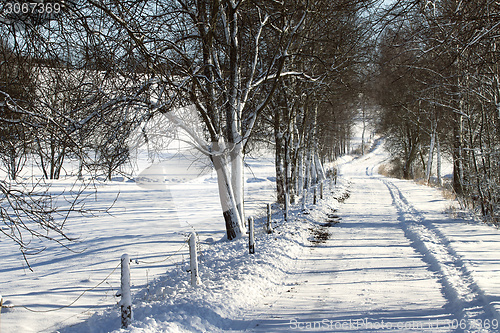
<point x="320" y="171"/>
<point x="364" y="128"/>
<point x="301" y="173"/>
<point x="457" y="155"/>
<point x="234" y="225"/>
<point x="438" y="162"/>
<point x="431" y="155"/>
<point x="238" y="178"/>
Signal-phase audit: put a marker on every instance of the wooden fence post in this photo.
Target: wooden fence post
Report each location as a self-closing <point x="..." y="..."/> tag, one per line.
<point x="193" y="260"/>
<point x="251" y="236"/>
<point x="321" y="190"/>
<point x="126" y="301"/>
<point x="314" y="197"/>
<point x="269" y="219"/>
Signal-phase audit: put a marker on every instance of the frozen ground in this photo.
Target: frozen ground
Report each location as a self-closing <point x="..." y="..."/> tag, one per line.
<point x="395" y="262"/>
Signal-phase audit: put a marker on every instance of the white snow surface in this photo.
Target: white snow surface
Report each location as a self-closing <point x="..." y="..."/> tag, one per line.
<point x="395" y="262"/>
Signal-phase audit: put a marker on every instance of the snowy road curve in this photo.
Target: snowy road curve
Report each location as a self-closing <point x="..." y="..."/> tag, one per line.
<point x="387" y="267"/>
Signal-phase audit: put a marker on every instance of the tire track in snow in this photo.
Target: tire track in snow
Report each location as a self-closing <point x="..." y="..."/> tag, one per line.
<point x="466" y="300"/>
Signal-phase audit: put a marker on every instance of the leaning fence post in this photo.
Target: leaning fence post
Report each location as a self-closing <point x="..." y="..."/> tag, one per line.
<point x="193" y="260"/>
<point x="126" y="301"/>
<point x="269" y="219"/>
<point x="251" y="236"/>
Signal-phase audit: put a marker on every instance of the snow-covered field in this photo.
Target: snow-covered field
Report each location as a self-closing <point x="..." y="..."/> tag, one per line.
<point x="395" y="262"/>
<point x="150" y="221"/>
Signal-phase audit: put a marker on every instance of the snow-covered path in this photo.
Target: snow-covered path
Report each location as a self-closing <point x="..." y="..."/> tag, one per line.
<point x="395" y="263"/>
<point x="386" y="267"/>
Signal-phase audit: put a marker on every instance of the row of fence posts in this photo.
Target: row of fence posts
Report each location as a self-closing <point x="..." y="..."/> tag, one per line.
<point x="126" y="298"/>
<point x="315" y="194"/>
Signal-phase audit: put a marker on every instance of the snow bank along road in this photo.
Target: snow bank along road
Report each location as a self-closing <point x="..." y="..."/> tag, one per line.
<point x="396" y="262"/>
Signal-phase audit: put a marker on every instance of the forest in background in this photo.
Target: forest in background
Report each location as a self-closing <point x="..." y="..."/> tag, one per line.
<point x="438" y="88"/>
<point x="95" y="78"/>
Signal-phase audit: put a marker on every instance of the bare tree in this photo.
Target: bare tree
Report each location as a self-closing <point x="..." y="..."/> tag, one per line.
<point x="225" y="58"/>
<point x="312" y="114"/>
<point x="16" y="83"/>
<point x="48" y="106"/>
<point x="448" y="59"/>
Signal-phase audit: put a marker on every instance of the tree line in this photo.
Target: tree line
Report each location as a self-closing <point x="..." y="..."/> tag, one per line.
<point x="437" y="82"/>
<point x="98" y="77"/>
<point x="83" y="83"/>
